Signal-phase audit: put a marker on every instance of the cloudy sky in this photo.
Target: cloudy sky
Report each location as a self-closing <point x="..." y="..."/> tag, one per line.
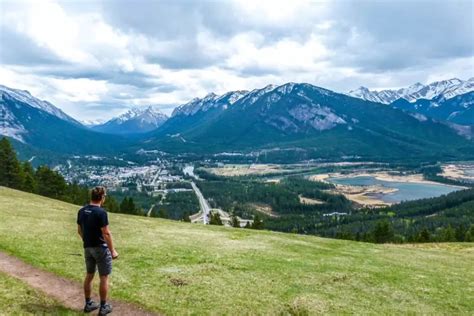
<point x="95" y="59"/>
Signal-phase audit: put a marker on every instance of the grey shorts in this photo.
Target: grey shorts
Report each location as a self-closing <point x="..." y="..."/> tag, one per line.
<point x="99" y="257"/>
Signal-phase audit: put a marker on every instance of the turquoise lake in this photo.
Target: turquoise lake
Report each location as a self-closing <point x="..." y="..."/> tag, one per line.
<point x="407" y="191"/>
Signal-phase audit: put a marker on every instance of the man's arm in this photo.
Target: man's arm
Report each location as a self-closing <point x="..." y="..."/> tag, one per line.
<point x="108" y="239"/>
<point x="79" y="231"/>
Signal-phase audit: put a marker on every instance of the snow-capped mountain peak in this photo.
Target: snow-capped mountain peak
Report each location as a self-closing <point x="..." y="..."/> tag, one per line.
<point x="375" y="96"/>
<point x="92" y="122"/>
<point x="210" y="101"/>
<point x="148" y="114"/>
<point x="135" y="120"/>
<point x="24" y="96"/>
<point x="446" y="89"/>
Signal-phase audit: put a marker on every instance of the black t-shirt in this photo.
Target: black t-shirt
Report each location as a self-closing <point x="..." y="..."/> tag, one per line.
<point x="92" y="218"/>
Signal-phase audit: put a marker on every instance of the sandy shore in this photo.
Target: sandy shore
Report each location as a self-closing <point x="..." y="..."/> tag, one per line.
<point x="362" y="194"/>
<point x="365" y="200"/>
<point x="457" y="171"/>
<point x="380" y="175"/>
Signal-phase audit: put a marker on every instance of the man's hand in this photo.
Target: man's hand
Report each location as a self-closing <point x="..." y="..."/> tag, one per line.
<point x="114" y="254"/>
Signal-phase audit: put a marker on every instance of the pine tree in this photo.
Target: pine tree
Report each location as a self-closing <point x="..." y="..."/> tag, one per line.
<point x="124" y="206"/>
<point x="10" y="171"/>
<point x="77" y="194"/>
<point x="50" y="183"/>
<point x="127" y="206"/>
<point x="448" y="234"/>
<point x="186" y="217"/>
<point x="383" y="232"/>
<point x="111" y="204"/>
<point x="215" y="219"/>
<point x="424" y="236"/>
<point x="257" y="222"/>
<point x="132" y="207"/>
<point x="235" y="222"/>
<point x="460" y="232"/>
<point x="469" y="237"/>
<point x="29" y="181"/>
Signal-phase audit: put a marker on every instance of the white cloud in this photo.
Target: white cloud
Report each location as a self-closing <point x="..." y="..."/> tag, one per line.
<point x="97" y="58"/>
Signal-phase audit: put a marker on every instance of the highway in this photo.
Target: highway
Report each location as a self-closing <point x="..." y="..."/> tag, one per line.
<point x="205" y="209"/>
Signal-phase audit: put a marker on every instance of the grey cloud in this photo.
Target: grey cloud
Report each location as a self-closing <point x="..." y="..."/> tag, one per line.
<point x="111" y="75"/>
<point x="18" y="49"/>
<point x="399" y="40"/>
<point x="400" y="34"/>
<point x="183" y="55"/>
<point x="180" y="22"/>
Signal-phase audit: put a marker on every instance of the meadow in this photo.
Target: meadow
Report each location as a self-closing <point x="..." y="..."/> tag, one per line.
<point x="181" y="268"/>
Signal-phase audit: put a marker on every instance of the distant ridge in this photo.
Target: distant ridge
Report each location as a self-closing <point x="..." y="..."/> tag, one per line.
<point x="134" y="121"/>
<point x="446" y="89"/>
<point x="317" y="122"/>
<point x="40" y="125"/>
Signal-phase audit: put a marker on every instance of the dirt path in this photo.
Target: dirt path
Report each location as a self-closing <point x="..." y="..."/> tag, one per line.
<point x="66" y="292"/>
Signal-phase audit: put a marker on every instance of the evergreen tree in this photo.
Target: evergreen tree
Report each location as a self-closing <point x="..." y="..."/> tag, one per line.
<point x="257" y="222"/>
<point x="10" y="171"/>
<point x="383" y="232"/>
<point x="125" y="206"/>
<point x="215" y="219"/>
<point x="186" y="217"/>
<point x="162" y="213"/>
<point x="448" y="234"/>
<point x="133" y="209"/>
<point x="469" y="237"/>
<point x="50" y="183"/>
<point x="424" y="236"/>
<point x="247" y="225"/>
<point x="111" y="204"/>
<point x="460" y="232"/>
<point x="77" y="194"/>
<point x="29" y="181"/>
<point x="235" y="221"/>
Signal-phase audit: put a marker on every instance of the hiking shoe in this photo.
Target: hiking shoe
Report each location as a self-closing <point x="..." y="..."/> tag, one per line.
<point x="105" y="309"/>
<point x="91" y="306"/>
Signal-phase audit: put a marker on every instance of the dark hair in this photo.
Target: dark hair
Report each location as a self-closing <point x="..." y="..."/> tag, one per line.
<point x="97" y="193"/>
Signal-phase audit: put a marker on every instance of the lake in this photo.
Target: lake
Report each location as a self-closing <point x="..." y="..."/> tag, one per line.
<point x="407" y="191"/>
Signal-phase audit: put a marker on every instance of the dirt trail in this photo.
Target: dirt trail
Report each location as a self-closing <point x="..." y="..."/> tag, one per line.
<point x="66" y="292"/>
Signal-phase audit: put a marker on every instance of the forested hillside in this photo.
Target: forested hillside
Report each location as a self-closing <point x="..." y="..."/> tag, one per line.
<point x="445" y="218"/>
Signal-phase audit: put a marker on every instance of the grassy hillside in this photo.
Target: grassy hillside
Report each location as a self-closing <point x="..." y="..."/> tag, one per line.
<point x="17" y="298"/>
<point x="181" y="268"/>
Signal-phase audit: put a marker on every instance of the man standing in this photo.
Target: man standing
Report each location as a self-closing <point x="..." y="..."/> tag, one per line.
<point x="93" y="227"/>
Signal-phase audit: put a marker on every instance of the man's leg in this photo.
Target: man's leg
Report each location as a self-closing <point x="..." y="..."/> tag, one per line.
<point x="104" y="265"/>
<point x="90" y="269"/>
<point x="103" y="288"/>
<point x="88" y="285"/>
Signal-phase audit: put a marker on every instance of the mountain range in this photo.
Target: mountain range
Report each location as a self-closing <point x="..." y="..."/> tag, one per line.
<point x="294" y="119"/>
<point x="134" y="121"/>
<point x="458" y="109"/>
<point x="445" y="89"/>
<point x="40" y="125"/>
<point x="301" y="117"/>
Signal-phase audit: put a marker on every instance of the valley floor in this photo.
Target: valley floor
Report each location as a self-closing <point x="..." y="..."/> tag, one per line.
<point x="179" y="268"/>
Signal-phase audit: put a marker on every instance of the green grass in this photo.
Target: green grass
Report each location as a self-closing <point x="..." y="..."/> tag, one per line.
<point x="182" y="268"/>
<point x="17" y="298"/>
